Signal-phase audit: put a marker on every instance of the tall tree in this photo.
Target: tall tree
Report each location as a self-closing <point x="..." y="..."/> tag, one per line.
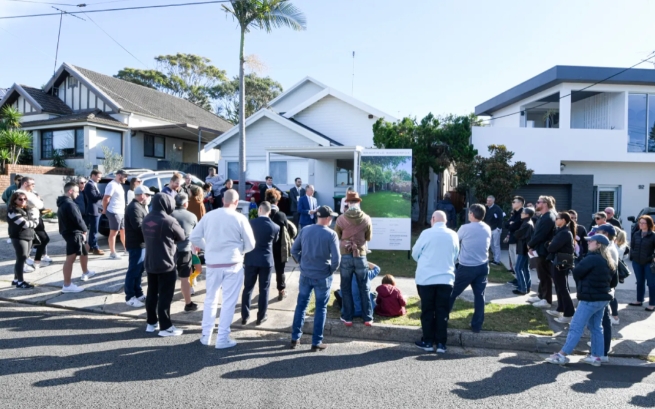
<point x="264" y="15"/>
<point x="259" y="91"/>
<point x="436" y="143"/>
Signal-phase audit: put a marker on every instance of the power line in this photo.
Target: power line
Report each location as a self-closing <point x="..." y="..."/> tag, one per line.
<point x="116" y="41"/>
<point x="47" y="3"/>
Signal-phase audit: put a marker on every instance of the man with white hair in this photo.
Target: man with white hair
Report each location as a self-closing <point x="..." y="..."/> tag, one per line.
<point x="611" y="219"/>
<point x="226" y="236"/>
<point x="436" y="252"/>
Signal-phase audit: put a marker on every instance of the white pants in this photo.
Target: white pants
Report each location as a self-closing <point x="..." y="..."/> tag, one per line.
<point x="495" y="244"/>
<point x="231" y="279"/>
<point x="512" y="255"/>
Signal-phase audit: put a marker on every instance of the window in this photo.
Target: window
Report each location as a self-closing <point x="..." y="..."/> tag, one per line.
<point x="152" y="184"/>
<point x="607" y="196"/>
<point x="69" y="142"/>
<point x="233" y="170"/>
<point x="72" y="82"/>
<point x="344" y="172"/>
<point x="255" y="170"/>
<point x="641" y="123"/>
<point x="278" y="170"/>
<point x="154" y="146"/>
<point x="112" y="140"/>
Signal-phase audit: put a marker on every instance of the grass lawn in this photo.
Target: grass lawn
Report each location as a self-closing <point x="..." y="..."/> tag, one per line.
<point x="499" y="274"/>
<point x="497" y="317"/>
<point x="386" y="204"/>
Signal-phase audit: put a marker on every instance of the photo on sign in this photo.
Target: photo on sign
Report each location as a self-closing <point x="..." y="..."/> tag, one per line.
<point x="388" y="182"/>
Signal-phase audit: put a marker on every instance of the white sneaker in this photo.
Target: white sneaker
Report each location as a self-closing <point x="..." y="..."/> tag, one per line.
<point x="171" y="332"/>
<point x="28" y="269"/>
<point x="152" y="328"/>
<point x="229" y="343"/>
<point x="542" y="304"/>
<point x="46" y="258"/>
<point x="29" y="261"/>
<point x="614" y="321"/>
<point x="563" y="320"/>
<point x="87" y="275"/>
<point x="206" y="339"/>
<point x="604" y="359"/>
<point x="591" y="360"/>
<point x="534" y="299"/>
<point x="142" y="298"/>
<point x="554" y="313"/>
<point x="557" y="359"/>
<point x="71" y="289"/>
<point x="134" y="302"/>
<point x="115" y="256"/>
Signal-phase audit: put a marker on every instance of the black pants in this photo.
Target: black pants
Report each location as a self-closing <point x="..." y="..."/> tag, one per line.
<point x="22" y="248"/>
<point x="251" y="274"/>
<point x="614" y="306"/>
<point x="545" y="289"/>
<point x="435" y="305"/>
<point x="564" y="302"/>
<point x="158" y="300"/>
<point x="43" y="238"/>
<point x="607" y="330"/>
<point x="280" y="278"/>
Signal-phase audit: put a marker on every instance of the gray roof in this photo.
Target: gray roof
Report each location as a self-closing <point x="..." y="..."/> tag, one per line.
<point x="3" y="91"/>
<point x="49" y="103"/>
<point x="95" y="116"/>
<point x="565" y="73"/>
<point x="147" y="101"/>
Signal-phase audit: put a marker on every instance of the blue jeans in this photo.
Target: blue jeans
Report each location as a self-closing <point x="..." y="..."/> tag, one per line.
<point x="358" y="267"/>
<point x="589" y="313"/>
<point x="476" y="277"/>
<point x="644" y="276"/>
<point x="135" y="270"/>
<point x="93" y="222"/>
<point x="523" y="273"/>
<point x="322" y="294"/>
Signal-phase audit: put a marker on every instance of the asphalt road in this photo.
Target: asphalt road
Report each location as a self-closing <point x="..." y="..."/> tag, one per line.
<point x="57" y="358"/>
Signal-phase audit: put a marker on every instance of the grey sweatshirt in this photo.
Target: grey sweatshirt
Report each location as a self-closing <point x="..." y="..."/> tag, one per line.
<point x="317" y="251"/>
<point x="188" y="221"/>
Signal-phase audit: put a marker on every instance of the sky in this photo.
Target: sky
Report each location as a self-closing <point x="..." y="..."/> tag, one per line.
<point x="411" y="57"/>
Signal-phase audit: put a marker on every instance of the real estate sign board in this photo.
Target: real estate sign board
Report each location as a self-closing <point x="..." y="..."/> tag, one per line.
<point x="386" y="192"/>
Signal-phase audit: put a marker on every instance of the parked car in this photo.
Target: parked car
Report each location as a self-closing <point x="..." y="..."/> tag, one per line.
<point x="253" y="190"/>
<point x="646" y="211"/>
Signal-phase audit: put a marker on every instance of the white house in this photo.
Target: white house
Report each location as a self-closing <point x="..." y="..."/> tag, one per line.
<point x="78" y="111"/>
<point x="587" y="132"/>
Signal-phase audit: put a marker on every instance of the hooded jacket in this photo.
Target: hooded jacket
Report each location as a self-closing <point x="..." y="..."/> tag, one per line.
<point x="390" y="302"/>
<point x="351" y="221"/>
<point x="134" y="215"/>
<point x="160" y="232"/>
<point x="69" y="217"/>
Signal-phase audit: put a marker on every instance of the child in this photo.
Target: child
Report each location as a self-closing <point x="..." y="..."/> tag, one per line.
<point x="373" y="272"/>
<point x="253" y="204"/>
<point x="390" y="301"/>
<point x="197" y="269"/>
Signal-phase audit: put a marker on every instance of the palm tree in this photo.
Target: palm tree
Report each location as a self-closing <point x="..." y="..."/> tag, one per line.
<point x="264" y="15"/>
<point x="13" y="140"/>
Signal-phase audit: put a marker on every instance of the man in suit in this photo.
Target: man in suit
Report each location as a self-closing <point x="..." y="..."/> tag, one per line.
<point x="259" y="263"/>
<point x="307" y="206"/>
<point x="268" y="185"/>
<point x="295" y="194"/>
<point x="93" y="210"/>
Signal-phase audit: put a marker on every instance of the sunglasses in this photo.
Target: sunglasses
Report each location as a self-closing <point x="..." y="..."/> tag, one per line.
<point x="539" y="201"/>
<point x="82" y="183"/>
<point x="21" y="199"/>
<point x="598" y="218"/>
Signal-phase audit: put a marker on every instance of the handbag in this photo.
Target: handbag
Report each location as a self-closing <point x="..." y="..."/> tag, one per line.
<point x="624" y="271"/>
<point x="563" y="261"/>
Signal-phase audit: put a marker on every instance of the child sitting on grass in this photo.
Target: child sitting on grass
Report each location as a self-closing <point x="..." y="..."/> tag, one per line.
<point x="373" y="272"/>
<point x="390" y="301"/>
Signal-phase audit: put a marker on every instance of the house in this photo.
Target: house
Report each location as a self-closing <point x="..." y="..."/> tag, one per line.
<point x="587" y="132"/>
<point x="79" y="111"/>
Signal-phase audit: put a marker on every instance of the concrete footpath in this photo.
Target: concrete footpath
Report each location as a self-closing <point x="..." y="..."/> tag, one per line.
<point x="634" y="337"/>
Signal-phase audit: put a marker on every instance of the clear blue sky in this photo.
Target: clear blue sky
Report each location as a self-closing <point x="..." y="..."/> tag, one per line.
<point x="412" y="57"/>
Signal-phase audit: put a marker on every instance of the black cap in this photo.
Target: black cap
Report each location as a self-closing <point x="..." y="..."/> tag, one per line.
<point x="326" y="211"/>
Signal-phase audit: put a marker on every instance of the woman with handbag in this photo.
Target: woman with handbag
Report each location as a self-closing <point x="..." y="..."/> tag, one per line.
<point x="561" y="251"/>
<point x="21" y="232"/>
<point x="281" y="247"/>
<point x="643" y="247"/>
<point x="623" y="271"/>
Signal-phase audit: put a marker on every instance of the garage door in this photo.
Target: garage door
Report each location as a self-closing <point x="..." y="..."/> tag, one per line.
<point x="561" y="193"/>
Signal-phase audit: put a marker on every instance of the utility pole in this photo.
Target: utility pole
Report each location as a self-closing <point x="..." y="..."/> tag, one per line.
<point x="352" y="89"/>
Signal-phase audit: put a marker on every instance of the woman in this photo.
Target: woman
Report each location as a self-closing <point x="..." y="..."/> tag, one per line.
<point x="344" y="206"/>
<point x="282" y="247"/>
<point x="623" y="249"/>
<point x="580" y="236"/>
<point x="641" y="254"/>
<point x="594" y="275"/>
<point x="561" y="247"/>
<point x="196" y="198"/>
<point x="208" y="197"/>
<point x="229" y="184"/>
<point x="523" y="235"/>
<point x="130" y="193"/>
<point x="21" y="232"/>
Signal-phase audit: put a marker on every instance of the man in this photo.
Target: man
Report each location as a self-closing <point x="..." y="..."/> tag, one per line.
<point x="512" y="225"/>
<point x="259" y="263"/>
<point x="173" y="187"/>
<point x="600" y="219"/>
<point x="186" y="186"/>
<point x="113" y="206"/>
<point x="317" y="251"/>
<point x="225" y="235"/>
<point x="268" y="185"/>
<point x="436" y="252"/>
<point x="80" y="201"/>
<point x="216" y="182"/>
<point x="446" y="206"/>
<point x="295" y="194"/>
<point x="161" y="232"/>
<point x="543" y="233"/>
<point x="494" y="219"/>
<point x="307" y="207"/>
<point x="354" y="229"/>
<point x="611" y="219"/>
<point x="93" y="209"/>
<point x="136" y="246"/>
<point x="6" y="195"/>
<point x="73" y="229"/>
<point x="188" y="221"/>
<point x="34" y="207"/>
<point x="474" y="239"/>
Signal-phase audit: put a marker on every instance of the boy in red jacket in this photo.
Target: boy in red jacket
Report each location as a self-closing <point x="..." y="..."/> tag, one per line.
<point x="390" y="301"/>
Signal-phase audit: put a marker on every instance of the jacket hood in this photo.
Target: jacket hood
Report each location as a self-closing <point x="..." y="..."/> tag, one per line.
<point x="62" y="199"/>
<point x="385" y="290"/>
<point x="163" y="203"/>
<point x="355" y="215"/>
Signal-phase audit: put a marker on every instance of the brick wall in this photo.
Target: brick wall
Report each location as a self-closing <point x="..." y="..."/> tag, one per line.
<point x="5" y="182"/>
<point x="39" y="170"/>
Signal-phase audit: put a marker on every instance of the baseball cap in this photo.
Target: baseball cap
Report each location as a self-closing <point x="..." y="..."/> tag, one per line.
<point x="121" y="172"/>
<point x="599" y="238"/>
<point x="326" y="211"/>
<point x="607" y="228"/>
<point x="142" y="190"/>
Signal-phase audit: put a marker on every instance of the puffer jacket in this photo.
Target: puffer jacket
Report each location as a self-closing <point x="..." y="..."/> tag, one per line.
<point x="642" y="248"/>
<point x="161" y="231"/>
<point x="351" y="221"/>
<point x="21" y="225"/>
<point x="594" y="279"/>
<point x="562" y="242"/>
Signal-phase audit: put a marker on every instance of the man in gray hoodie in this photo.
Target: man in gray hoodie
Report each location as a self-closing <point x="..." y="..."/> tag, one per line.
<point x="188" y="221"/>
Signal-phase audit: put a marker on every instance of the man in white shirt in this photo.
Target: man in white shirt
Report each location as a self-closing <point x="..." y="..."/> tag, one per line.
<point x="113" y="206"/>
<point x="226" y="236"/>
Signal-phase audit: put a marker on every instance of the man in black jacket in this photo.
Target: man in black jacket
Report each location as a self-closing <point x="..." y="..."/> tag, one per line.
<point x="512" y="225"/>
<point x="93" y="209"/>
<point x="161" y="231"/>
<point x="259" y="263"/>
<point x="494" y="219"/>
<point x="73" y="229"/>
<point x="295" y="193"/>
<point x="135" y="246"/>
<point x="543" y="233"/>
<point x="268" y="185"/>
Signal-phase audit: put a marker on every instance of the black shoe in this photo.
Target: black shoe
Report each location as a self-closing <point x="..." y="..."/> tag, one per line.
<point x="319" y="348"/>
<point x="517" y="292"/>
<point x="259" y="322"/>
<point x="244" y="321"/>
<point x="24" y="285"/>
<point x="191" y="307"/>
<point x="14" y="282"/>
<point x="294" y="344"/>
